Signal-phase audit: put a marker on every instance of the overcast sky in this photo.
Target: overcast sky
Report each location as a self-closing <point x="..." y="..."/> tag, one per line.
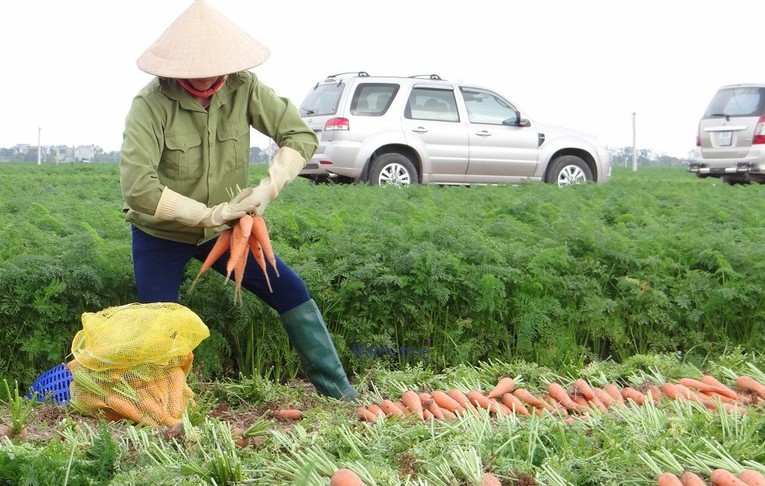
<point x="69" y="66"/>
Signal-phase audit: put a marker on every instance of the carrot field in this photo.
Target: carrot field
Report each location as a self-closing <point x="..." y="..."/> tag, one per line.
<point x="619" y="319"/>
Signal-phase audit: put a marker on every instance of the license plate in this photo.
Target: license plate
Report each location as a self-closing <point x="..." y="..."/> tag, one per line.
<point x="722" y="139"/>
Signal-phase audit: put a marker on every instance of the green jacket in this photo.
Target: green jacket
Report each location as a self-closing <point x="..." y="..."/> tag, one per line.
<point x="170" y="140"/>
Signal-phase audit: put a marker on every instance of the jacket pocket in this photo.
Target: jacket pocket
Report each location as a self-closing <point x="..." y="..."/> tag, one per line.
<point x="182" y="158"/>
<point x="234" y="141"/>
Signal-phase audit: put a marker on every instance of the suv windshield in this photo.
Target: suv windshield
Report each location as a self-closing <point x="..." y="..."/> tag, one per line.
<point x="322" y="100"/>
<point x="738" y="101"/>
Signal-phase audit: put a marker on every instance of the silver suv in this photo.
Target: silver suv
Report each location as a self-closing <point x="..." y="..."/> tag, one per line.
<point x="425" y="130"/>
<point x="730" y="143"/>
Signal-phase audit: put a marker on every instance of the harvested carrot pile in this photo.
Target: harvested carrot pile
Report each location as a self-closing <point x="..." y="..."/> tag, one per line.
<point x="576" y="401"/>
<point x="248" y="234"/>
<point x="718" y="477"/>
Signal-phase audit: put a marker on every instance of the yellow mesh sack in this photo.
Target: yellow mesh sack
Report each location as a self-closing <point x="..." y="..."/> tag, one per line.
<point x="131" y="362"/>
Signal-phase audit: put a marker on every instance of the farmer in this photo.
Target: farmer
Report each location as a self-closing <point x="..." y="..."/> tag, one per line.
<point x="186" y="145"/>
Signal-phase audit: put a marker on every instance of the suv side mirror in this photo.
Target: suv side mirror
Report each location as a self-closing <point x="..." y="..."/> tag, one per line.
<point x="518" y="122"/>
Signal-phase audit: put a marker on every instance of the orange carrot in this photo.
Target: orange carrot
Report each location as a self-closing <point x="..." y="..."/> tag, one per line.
<point x="692" y="479"/>
<point x="429" y="404"/>
<point x="257" y="252"/>
<point x="514" y="404"/>
<point x="554" y="404"/>
<point x="484" y="402"/>
<point x="176" y="380"/>
<point x="428" y="416"/>
<point x="504" y="385"/>
<point x="462" y="399"/>
<point x="671" y="391"/>
<point x="490" y="479"/>
<point x="365" y="414"/>
<point x="154" y="408"/>
<point x="580" y="400"/>
<point x="604" y="397"/>
<point x="345" y="477"/>
<point x="220" y="247"/>
<point x="714" y="395"/>
<point x="695" y="384"/>
<point x="447" y="403"/>
<point x="668" y="479"/>
<point x="696" y="396"/>
<point x="752" y="477"/>
<point x="288" y="413"/>
<point x="528" y="398"/>
<point x="128" y="410"/>
<point x="390" y="408"/>
<point x="652" y="391"/>
<point x="446" y="413"/>
<point x="561" y="395"/>
<point x="636" y="396"/>
<point x="411" y="399"/>
<point x="375" y="409"/>
<point x="749" y="384"/>
<point x="260" y="231"/>
<point x="722" y="387"/>
<point x="237" y="249"/>
<point x="583" y="388"/>
<point x="723" y="477"/>
<point x="614" y="391"/>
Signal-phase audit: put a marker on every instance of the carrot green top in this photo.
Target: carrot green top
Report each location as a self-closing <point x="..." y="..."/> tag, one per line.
<point x="171" y="140"/>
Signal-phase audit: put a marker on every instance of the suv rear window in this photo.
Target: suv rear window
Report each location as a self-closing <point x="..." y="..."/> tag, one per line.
<point x="737" y="101"/>
<point x="322" y="100"/>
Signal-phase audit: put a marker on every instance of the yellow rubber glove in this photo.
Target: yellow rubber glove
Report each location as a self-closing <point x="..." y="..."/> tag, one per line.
<point x="177" y="207"/>
<point x="285" y="166"/>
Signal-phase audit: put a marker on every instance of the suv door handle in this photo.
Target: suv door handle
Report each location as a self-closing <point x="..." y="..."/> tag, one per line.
<point x="420" y="130"/>
<point x="483" y="133"/>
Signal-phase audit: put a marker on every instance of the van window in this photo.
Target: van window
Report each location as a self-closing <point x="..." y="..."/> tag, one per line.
<point x="737" y="101"/>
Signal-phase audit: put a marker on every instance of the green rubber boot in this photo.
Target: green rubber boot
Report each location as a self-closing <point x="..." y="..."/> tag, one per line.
<point x="318" y="357"/>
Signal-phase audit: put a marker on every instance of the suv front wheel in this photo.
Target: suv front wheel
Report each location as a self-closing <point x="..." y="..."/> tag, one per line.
<point x="568" y="169"/>
<point x="393" y="168"/>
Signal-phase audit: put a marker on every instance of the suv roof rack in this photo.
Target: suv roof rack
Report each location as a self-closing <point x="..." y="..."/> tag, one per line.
<point x="361" y="74"/>
<point x="435" y="77"/>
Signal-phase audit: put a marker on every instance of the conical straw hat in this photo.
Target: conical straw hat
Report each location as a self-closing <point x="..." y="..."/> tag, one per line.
<point x="202" y="43"/>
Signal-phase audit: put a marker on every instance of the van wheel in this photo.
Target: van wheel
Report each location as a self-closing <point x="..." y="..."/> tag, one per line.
<point x="393" y="169"/>
<point x="568" y="169"/>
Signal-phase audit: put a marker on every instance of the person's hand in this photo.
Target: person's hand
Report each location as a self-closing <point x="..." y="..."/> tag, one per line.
<point x="173" y="206"/>
<point x="285" y="166"/>
<point x="222" y="214"/>
<point x="256" y="199"/>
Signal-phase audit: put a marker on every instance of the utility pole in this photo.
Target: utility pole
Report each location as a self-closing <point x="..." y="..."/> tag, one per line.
<point x="39" y="147"/>
<point x="634" y="145"/>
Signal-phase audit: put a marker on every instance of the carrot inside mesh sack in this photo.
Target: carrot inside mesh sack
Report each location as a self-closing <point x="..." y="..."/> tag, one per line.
<point x="131" y="362"/>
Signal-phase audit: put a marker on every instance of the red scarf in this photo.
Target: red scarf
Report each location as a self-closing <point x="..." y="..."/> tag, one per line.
<point x="202" y="94"/>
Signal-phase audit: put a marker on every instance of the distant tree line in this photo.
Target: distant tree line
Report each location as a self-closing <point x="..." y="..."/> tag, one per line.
<point x="257" y="155"/>
<point x="644" y="158"/>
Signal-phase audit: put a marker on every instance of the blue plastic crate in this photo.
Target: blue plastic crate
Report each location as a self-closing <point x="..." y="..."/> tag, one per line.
<point x="54" y="383"/>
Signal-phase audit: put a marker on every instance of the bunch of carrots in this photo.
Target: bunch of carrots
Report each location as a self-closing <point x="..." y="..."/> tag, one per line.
<point x="153" y="396"/>
<point x="576" y="402"/>
<point x="248" y="234"/>
<point x="718" y="477"/>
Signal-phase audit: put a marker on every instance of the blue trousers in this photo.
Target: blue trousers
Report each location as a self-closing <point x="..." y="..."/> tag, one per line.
<point x="159" y="266"/>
